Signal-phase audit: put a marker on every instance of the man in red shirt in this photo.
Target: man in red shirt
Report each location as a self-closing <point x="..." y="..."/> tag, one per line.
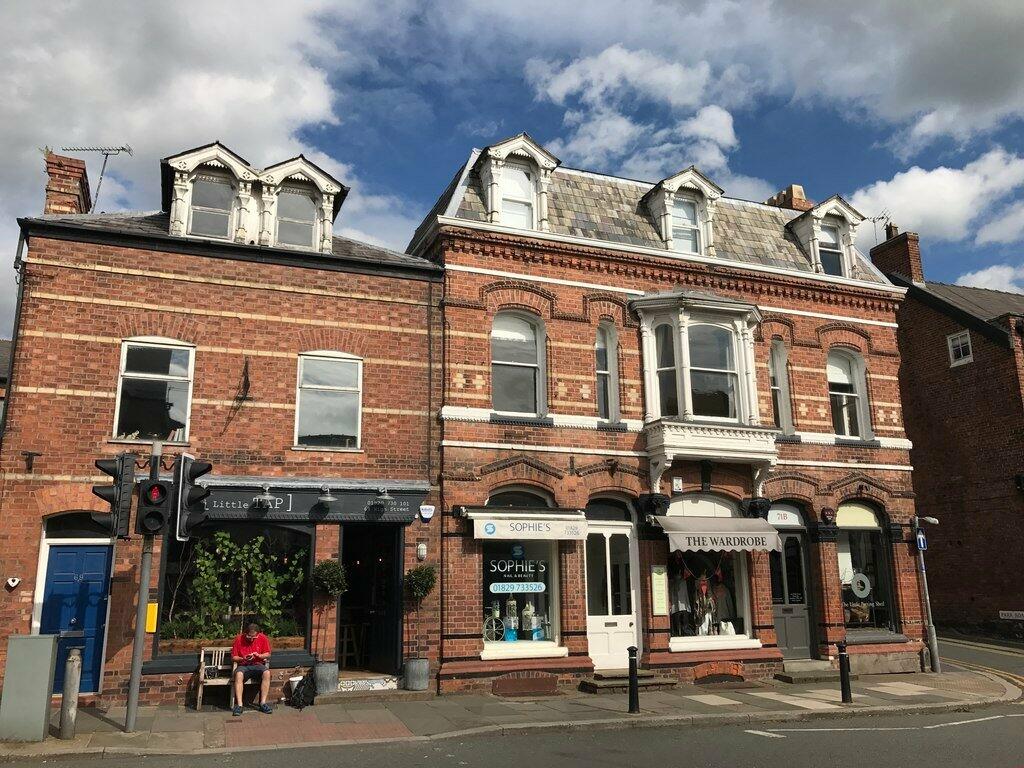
<point x="251" y="652"/>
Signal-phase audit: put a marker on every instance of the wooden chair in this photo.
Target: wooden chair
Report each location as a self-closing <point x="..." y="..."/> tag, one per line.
<point x="215" y="668"/>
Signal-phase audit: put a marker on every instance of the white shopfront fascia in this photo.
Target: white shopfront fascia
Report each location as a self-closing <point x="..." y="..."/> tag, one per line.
<point x="495" y="526"/>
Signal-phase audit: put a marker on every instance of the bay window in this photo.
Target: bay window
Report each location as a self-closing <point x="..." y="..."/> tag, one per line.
<point x="713" y="378"/>
<point x="668" y="392"/>
<point x="154" y="391"/>
<point x="516" y="365"/>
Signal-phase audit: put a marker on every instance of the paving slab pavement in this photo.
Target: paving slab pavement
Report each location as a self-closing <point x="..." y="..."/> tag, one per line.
<point x="176" y="730"/>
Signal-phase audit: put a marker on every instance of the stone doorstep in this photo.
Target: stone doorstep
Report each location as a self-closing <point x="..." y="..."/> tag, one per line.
<point x="607" y="685"/>
<point x="810" y="676"/>
<point x="614" y="674"/>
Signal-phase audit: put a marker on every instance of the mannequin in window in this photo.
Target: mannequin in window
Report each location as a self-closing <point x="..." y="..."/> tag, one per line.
<point x="679" y="595"/>
<point x="705" y="609"/>
<point x="724" y="600"/>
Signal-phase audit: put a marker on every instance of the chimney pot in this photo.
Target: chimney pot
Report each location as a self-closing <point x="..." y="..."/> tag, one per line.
<point x="891" y="230"/>
<point x="900" y="254"/>
<point x="67" y="186"/>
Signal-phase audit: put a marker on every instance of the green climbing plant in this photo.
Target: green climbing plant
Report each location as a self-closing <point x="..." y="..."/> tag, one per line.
<point x="234" y="582"/>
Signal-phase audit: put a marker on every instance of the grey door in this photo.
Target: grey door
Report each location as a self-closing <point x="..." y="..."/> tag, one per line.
<point x="790" y="596"/>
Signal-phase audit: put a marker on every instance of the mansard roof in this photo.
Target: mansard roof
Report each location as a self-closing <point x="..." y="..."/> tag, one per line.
<point x="601" y="207"/>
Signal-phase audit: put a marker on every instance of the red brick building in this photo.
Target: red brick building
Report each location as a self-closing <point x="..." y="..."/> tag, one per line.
<point x="630" y="371"/>
<point x="963" y="394"/>
<point x="234" y="325"/>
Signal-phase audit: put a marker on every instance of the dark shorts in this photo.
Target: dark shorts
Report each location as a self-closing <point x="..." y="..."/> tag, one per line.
<point x="251" y="673"/>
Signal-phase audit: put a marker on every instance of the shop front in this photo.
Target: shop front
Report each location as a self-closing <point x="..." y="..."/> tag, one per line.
<point x="253" y="557"/>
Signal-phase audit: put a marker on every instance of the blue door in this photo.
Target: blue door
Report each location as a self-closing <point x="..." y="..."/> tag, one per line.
<point x="75" y="603"/>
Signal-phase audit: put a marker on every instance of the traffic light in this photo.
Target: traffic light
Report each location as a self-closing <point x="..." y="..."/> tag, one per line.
<point x="154" y="510"/>
<point x="118" y="495"/>
<point x="189" y="510"/>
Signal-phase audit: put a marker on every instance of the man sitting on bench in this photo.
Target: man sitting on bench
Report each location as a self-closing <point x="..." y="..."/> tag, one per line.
<point x="251" y="652"/>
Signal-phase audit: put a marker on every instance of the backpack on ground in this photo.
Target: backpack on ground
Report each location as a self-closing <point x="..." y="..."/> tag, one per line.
<point x="304" y="691"/>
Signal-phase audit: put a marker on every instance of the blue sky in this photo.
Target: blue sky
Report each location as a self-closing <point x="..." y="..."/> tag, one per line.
<point x="914" y="108"/>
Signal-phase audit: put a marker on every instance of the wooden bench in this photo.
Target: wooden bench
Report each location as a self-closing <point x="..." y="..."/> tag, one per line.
<point x="216" y="668"/>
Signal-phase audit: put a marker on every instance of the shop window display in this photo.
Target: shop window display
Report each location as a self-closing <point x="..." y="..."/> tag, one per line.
<point x="864" y="574"/>
<point x="228" y="574"/>
<point x="706" y="597"/>
<point x="518" y="591"/>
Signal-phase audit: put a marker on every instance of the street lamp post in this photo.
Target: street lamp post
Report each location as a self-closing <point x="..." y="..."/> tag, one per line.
<point x="933" y="641"/>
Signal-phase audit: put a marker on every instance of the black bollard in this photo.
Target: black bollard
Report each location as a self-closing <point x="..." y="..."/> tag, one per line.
<point x="844" y="674"/>
<point x="634" y="683"/>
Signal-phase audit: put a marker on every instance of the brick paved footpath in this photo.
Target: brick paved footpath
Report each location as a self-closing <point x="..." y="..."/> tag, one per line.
<point x="175" y="730"/>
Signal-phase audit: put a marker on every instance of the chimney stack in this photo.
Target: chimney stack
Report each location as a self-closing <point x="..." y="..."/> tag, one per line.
<point x="67" y="188"/>
<point x="791" y="197"/>
<point x="900" y="254"/>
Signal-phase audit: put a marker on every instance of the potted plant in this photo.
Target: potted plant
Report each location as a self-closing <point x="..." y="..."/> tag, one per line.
<point x="329" y="583"/>
<point x="419" y="582"/>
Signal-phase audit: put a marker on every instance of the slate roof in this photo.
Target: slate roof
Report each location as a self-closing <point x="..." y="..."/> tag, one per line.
<point x="581" y="204"/>
<point x="983" y="303"/>
<point x="156" y="224"/>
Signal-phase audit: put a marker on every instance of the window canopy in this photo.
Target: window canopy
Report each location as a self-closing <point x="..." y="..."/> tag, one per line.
<point x="719" y="534"/>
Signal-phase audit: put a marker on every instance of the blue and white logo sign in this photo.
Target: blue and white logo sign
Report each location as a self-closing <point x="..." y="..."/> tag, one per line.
<point x="489" y="529"/>
<point x="922" y="540"/>
<point x="518" y="553"/>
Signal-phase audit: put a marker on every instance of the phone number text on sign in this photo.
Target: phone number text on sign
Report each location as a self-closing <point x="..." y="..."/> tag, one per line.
<point x="506" y="587"/>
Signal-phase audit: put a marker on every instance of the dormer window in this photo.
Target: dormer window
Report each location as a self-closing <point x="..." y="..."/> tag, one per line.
<point x="830" y="250"/>
<point x="296" y="218"/>
<point x="517" y="196"/>
<point x="685" y="228"/>
<point x="212" y="202"/>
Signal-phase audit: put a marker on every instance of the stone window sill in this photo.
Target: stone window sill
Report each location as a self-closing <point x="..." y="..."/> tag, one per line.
<point x="712" y="643"/>
<point x="523" y="649"/>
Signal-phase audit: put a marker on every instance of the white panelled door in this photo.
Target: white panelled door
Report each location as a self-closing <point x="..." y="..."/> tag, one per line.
<point x="611" y="593"/>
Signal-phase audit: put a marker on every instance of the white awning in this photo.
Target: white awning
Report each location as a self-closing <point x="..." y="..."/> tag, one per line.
<point x="506" y="524"/>
<point x="719" y="534"/>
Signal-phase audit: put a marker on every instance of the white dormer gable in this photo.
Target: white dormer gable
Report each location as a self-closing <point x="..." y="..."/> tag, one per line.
<point x="299" y="177"/>
<point x="683" y="207"/>
<point x="214" y="194"/>
<point x="828" y="232"/>
<point x="516" y="174"/>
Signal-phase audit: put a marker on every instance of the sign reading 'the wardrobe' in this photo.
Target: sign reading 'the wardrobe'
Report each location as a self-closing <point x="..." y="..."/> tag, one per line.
<point x="504" y="529"/>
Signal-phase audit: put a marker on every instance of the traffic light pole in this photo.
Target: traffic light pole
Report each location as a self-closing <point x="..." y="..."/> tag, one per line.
<point x="145" y="567"/>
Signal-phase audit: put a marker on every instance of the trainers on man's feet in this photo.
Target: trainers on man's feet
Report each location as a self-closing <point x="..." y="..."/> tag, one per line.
<point x="265" y="709"/>
<point x="237" y="711"/>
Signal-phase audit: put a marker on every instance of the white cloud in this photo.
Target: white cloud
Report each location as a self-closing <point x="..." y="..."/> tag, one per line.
<point x="1007" y="226"/>
<point x="943" y="203"/>
<point x="1001" y="277"/>
<point x="164" y="78"/>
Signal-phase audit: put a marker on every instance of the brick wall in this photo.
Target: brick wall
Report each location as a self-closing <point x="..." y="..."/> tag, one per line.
<point x="966" y="423"/>
<point x="573" y="465"/>
<point x="80" y="300"/>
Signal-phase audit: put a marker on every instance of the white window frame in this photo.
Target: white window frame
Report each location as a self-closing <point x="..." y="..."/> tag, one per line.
<point x="740" y="394"/>
<point x="540" y="366"/>
<point x="611" y="339"/>
<point x="676" y="367"/>
<point x="953" y="342"/>
<point x="779" y="371"/>
<point x="334" y="357"/>
<point x="157" y="342"/>
<point x="312" y="195"/>
<point x="860" y="393"/>
<point x="232" y="213"/>
<point x="695" y="227"/>
<point x="840" y="250"/>
<point x="506" y="192"/>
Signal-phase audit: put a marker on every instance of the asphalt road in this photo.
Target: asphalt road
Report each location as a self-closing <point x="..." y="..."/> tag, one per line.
<point x="1006" y="659"/>
<point x="989" y="738"/>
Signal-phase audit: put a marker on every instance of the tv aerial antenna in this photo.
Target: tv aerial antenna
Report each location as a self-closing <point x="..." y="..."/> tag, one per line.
<point x="885" y="216"/>
<point x="106" y="152"/>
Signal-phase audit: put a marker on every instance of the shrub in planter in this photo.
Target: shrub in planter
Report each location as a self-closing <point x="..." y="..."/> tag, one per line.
<point x="329" y="578"/>
<point x="419" y="582"/>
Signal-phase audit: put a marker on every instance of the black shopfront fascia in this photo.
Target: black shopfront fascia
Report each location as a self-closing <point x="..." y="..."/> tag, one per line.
<point x="296" y="504"/>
